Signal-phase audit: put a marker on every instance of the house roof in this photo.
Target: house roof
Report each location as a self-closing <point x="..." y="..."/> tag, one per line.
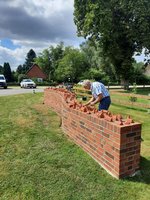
<point x="36" y="72"/>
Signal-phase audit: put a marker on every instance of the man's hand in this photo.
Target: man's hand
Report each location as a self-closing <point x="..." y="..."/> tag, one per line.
<point x="86" y="104"/>
<point x="92" y="104"/>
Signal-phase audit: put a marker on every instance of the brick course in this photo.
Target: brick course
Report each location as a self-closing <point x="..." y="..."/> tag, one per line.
<point x="112" y="141"/>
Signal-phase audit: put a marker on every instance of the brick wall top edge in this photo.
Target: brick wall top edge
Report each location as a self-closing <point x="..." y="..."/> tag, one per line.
<point x="70" y="100"/>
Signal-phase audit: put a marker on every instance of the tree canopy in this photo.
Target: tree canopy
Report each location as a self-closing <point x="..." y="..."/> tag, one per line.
<point x="31" y="55"/>
<point x="49" y="58"/>
<point x="71" y="66"/>
<point x="1" y="69"/>
<point x="7" y="72"/>
<point x="120" y="27"/>
<point x="21" y="69"/>
<point x="44" y="61"/>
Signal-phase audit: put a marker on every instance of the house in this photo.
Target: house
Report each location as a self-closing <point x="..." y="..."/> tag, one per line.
<point x="147" y="70"/>
<point x="36" y="72"/>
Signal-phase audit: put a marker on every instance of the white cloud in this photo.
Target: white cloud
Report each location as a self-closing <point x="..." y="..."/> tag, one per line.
<point x="48" y="8"/>
<point x="35" y="24"/>
<point x="17" y="56"/>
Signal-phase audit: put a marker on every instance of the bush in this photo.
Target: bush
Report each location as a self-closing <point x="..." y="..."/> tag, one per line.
<point x="133" y="99"/>
<point x="134" y="91"/>
<point x="21" y="77"/>
<point x="44" y="83"/>
<point x="13" y="84"/>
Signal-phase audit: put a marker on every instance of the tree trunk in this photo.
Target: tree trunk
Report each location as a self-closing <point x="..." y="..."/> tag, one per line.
<point x="125" y="84"/>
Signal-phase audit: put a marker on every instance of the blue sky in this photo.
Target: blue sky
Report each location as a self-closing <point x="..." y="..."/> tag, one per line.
<point x="7" y="43"/>
<point x="35" y="24"/>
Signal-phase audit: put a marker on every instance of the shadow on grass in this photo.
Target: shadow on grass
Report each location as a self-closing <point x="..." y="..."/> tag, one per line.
<point x="144" y="175"/>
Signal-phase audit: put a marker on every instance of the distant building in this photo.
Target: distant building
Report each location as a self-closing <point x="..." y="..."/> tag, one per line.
<point x="147" y="70"/>
<point x="36" y="72"/>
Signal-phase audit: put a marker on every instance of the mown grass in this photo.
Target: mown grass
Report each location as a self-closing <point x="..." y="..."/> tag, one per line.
<point x="38" y="162"/>
<point x="141" y="91"/>
<point x="127" y="98"/>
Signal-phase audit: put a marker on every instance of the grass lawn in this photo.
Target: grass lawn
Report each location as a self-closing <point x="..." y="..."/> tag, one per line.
<point x="126" y="98"/>
<point x="38" y="162"/>
<point x="141" y="91"/>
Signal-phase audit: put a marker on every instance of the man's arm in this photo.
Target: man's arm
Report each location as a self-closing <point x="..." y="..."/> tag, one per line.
<point x="89" y="102"/>
<point x="98" y="99"/>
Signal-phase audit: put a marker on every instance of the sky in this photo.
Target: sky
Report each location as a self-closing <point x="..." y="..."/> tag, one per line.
<point x="35" y="24"/>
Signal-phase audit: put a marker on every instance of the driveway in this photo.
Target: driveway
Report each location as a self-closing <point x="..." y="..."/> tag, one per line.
<point x="17" y="90"/>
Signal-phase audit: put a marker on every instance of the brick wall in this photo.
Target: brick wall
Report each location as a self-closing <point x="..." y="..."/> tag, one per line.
<point x="112" y="141"/>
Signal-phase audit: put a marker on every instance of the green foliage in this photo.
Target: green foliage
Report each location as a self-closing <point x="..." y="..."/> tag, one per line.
<point x="120" y="28"/>
<point x="44" y="61"/>
<point x="109" y="70"/>
<point x="1" y="69"/>
<point x="48" y="60"/>
<point x="71" y="65"/>
<point x="92" y="53"/>
<point x="31" y="55"/>
<point x="56" y="54"/>
<point x="98" y="75"/>
<point x="98" y="67"/>
<point x="134" y="91"/>
<point x="138" y="73"/>
<point x="7" y="72"/>
<point x="14" y="76"/>
<point x="21" y="77"/>
<point x="42" y="83"/>
<point x="21" y="69"/>
<point x="132" y="99"/>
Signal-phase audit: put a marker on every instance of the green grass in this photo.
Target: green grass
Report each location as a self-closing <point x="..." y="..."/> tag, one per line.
<point x="38" y="162"/>
<point x="141" y="91"/>
<point x="126" y="98"/>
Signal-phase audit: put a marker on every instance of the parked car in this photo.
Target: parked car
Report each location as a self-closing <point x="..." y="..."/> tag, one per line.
<point x="3" y="82"/>
<point x="27" y="83"/>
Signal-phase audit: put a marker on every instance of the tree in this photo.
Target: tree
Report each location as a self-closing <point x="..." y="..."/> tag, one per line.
<point x="139" y="75"/>
<point x="1" y="69"/>
<point x="14" y="76"/>
<point x="71" y="66"/>
<point x="7" y="72"/>
<point x="21" y="77"/>
<point x="120" y="27"/>
<point x="44" y="61"/>
<point x="48" y="60"/>
<point x="92" y="54"/>
<point x="21" y="69"/>
<point x="31" y="55"/>
<point x="99" y="68"/>
<point x="57" y="54"/>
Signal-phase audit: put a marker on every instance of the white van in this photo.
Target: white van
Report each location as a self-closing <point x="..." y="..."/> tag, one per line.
<point x="3" y="81"/>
